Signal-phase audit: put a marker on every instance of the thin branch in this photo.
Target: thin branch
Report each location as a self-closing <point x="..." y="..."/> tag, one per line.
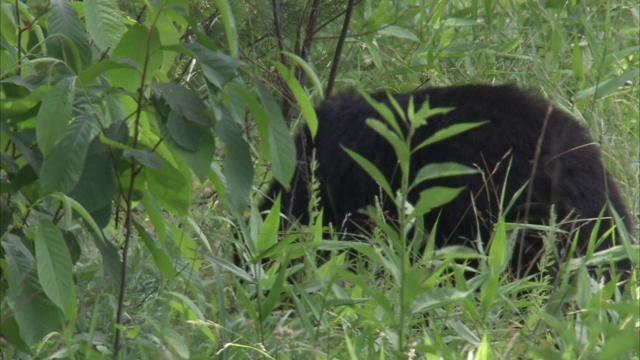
<point x="336" y="58"/>
<point x="129" y="199"/>
<point x="276" y="27"/>
<point x="311" y="29"/>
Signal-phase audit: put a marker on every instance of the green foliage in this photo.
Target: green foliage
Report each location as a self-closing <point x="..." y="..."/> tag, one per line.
<point x="94" y="130"/>
<point x="134" y="135"/>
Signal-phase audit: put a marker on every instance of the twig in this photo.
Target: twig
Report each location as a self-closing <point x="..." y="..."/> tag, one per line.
<point x="336" y="58"/>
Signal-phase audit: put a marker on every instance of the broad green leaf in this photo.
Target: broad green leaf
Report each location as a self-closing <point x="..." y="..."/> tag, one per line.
<point x="283" y="150"/>
<point x="302" y="98"/>
<point x="145" y="157"/>
<point x="34" y="312"/>
<point x="188" y="247"/>
<point x="185" y="102"/>
<point x="435" y="197"/>
<point x="9" y="327"/>
<point x="104" y="22"/>
<point x="132" y="50"/>
<point x="238" y="166"/>
<point x="92" y="72"/>
<point x="54" y="114"/>
<point x="8" y="26"/>
<point x="62" y="169"/>
<point x="169" y="187"/>
<point x="97" y="185"/>
<point x="110" y="257"/>
<point x="448" y="132"/>
<point x="55" y="270"/>
<point x="439" y="170"/>
<point x="372" y="170"/>
<point x="484" y="351"/>
<point x="269" y="231"/>
<point x="64" y="20"/>
<point x="15" y="105"/>
<point x="200" y="160"/>
<point x="184" y="126"/>
<point x="22" y="141"/>
<point x="218" y="68"/>
<point x="498" y="250"/>
<point x="170" y="27"/>
<point x="259" y="116"/>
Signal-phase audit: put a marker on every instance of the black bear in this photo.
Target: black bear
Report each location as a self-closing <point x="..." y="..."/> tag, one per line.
<point x="525" y="142"/>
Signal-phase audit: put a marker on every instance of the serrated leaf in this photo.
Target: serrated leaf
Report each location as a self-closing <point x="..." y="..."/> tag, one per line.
<point x="53" y="262"/>
<point x="54" y="114"/>
<point x="104" y="22"/>
<point x="62" y="169"/>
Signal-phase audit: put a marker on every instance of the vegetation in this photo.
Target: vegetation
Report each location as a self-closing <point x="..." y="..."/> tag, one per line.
<point x="137" y="138"/>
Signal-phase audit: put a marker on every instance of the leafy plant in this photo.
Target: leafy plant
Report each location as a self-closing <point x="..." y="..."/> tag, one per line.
<point x="94" y="129"/>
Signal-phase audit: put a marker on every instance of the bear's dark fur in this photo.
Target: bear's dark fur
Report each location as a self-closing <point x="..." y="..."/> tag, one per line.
<point x="568" y="174"/>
